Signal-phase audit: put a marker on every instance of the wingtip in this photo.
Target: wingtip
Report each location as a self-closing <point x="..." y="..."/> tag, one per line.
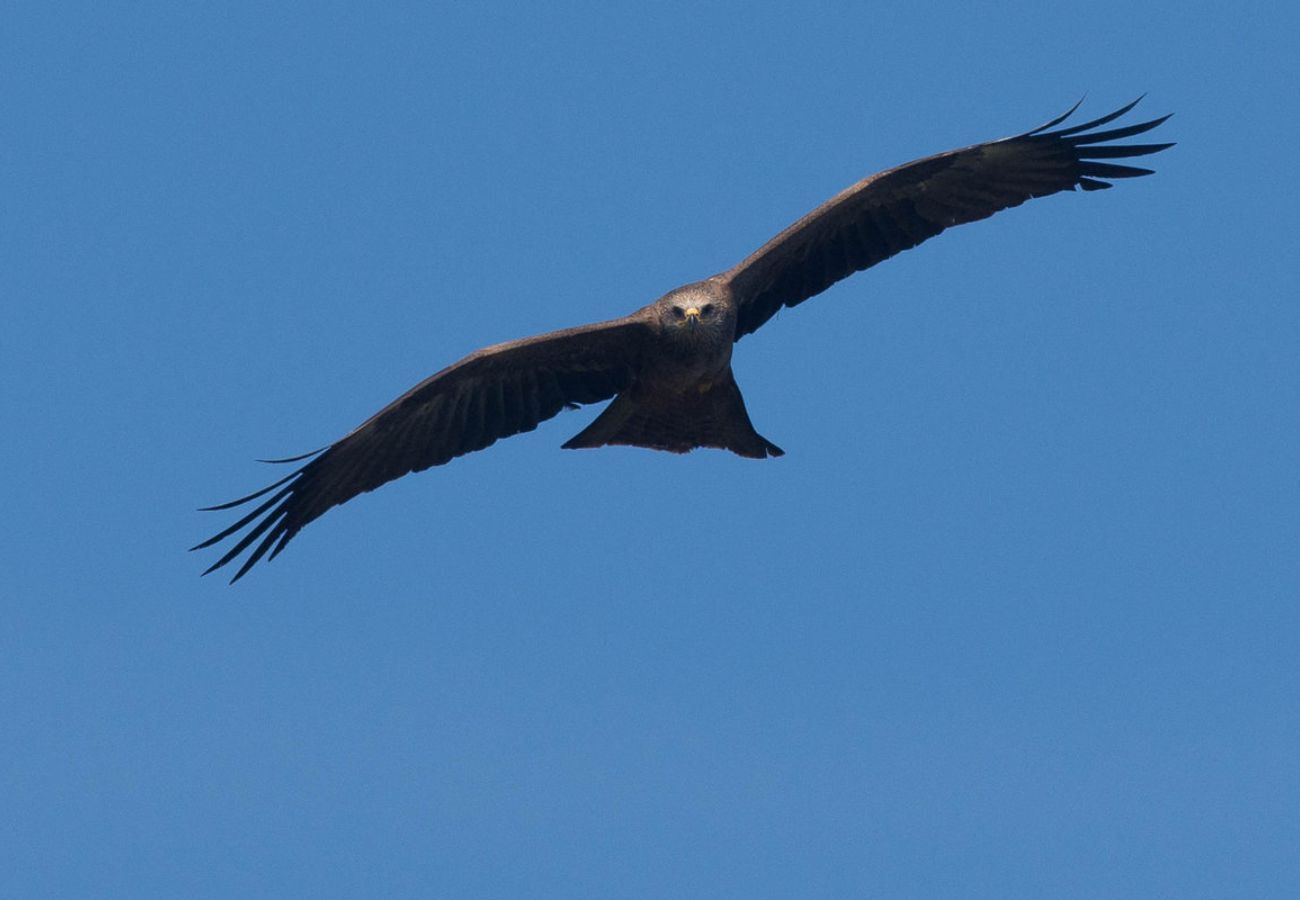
<point x="298" y="458"/>
<point x="1059" y="119"/>
<point x="1136" y="100"/>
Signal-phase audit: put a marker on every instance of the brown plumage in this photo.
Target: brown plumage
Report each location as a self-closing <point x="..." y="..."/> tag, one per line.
<point x="668" y="364"/>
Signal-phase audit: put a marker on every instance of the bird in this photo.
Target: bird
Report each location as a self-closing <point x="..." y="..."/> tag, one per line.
<point x="667" y="366"/>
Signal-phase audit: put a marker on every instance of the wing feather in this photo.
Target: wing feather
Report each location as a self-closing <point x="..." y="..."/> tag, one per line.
<point x="491" y="394"/>
<point x="900" y="208"/>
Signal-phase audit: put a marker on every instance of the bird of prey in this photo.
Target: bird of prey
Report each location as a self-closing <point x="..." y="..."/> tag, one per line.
<point x="667" y="366"/>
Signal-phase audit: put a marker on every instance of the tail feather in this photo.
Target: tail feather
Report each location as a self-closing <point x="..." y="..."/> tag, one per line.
<point x="679" y="423"/>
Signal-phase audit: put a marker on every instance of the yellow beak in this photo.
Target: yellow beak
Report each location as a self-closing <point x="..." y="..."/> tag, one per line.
<point x="692" y="314"/>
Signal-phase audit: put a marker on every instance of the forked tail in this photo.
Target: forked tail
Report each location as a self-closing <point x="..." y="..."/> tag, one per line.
<point x="678" y="423"/>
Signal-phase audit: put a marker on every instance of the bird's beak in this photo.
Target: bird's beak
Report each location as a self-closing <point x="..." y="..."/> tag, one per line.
<point x="692" y="315"/>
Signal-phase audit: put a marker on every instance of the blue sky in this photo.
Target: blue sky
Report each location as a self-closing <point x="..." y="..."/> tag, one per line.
<point x="1015" y="615"/>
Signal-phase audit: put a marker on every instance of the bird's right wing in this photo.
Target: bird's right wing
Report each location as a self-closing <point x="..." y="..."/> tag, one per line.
<point x="493" y="393"/>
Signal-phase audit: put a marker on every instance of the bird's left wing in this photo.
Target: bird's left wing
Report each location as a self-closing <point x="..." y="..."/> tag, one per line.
<point x="490" y="394"/>
<point x="895" y="210"/>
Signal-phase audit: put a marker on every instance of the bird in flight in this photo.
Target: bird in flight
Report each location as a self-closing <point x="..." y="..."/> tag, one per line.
<point x="667" y="366"/>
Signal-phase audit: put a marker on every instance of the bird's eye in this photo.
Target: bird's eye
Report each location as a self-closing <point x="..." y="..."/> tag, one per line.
<point x="677" y="311"/>
<point x="706" y="309"/>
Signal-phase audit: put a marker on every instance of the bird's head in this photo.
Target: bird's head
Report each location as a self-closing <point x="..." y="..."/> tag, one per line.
<point x="698" y="311"/>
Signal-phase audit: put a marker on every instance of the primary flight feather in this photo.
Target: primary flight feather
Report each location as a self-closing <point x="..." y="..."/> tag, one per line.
<point x="667" y="366"/>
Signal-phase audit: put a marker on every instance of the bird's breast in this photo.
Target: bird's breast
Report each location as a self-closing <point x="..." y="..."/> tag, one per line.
<point x="688" y="363"/>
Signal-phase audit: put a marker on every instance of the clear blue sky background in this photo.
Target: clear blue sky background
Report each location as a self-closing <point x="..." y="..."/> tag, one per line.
<point x="1016" y="616"/>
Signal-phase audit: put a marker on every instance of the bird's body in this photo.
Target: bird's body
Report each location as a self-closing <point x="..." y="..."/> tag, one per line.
<point x="667" y="366"/>
<point x="689" y="349"/>
<point x="684" y="395"/>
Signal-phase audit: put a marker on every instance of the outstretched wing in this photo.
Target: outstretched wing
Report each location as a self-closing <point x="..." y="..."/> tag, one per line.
<point x="493" y="393"/>
<point x="897" y="209"/>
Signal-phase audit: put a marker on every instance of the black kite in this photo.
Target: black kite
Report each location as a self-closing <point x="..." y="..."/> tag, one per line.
<point x="668" y="365"/>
